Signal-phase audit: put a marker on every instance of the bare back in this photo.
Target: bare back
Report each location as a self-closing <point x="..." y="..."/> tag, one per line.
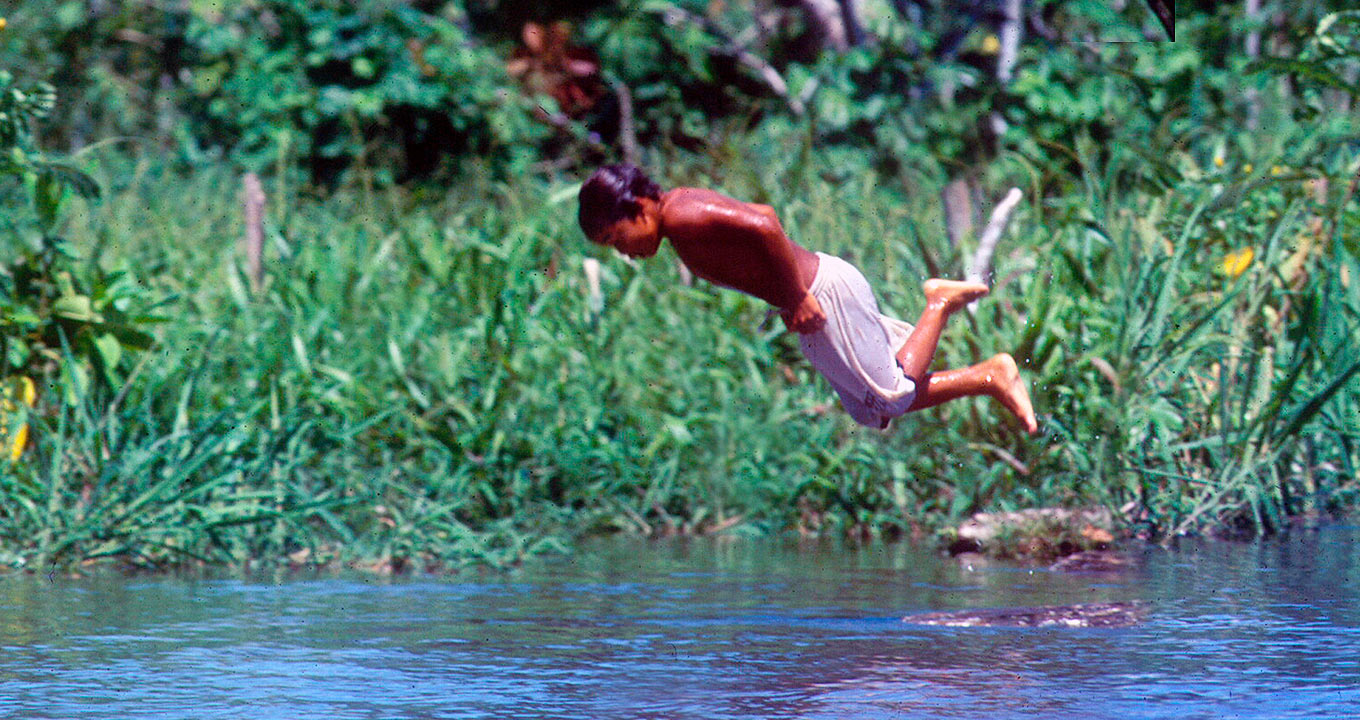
<point x="737" y="245"/>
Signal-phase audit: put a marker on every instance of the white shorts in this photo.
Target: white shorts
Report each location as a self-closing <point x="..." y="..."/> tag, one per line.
<point x="857" y="349"/>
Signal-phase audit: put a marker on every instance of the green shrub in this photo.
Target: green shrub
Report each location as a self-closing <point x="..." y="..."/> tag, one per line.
<point x="339" y="83"/>
<point x="53" y="307"/>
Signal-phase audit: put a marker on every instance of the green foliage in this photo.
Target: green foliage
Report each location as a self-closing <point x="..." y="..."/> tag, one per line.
<point x="677" y="63"/>
<point x="54" y="310"/>
<point x="399" y="89"/>
<point x="1194" y="382"/>
<point x="1320" y="65"/>
<point x="336" y="82"/>
<point x="380" y="84"/>
<point x="425" y="379"/>
<point x="17" y="109"/>
<point x="423" y="384"/>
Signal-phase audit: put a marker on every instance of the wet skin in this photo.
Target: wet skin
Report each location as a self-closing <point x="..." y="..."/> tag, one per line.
<point x="743" y="246"/>
<point x="727" y="242"/>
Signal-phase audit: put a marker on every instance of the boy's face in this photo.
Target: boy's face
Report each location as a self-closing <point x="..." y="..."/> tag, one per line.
<point x="638" y="236"/>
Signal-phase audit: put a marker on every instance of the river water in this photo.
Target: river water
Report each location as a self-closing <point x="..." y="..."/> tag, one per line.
<point x="700" y="629"/>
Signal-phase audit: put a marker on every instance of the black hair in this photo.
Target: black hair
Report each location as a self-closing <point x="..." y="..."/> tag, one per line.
<point x="611" y="194"/>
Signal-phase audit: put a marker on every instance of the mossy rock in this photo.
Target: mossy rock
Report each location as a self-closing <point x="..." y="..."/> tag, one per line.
<point x="1037" y="535"/>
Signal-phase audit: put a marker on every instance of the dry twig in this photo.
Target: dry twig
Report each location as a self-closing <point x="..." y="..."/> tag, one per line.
<point x="254" y="238"/>
<point x="981" y="267"/>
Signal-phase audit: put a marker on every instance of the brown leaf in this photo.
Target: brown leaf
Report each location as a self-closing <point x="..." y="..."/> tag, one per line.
<point x="1096" y="535"/>
<point x="518" y="67"/>
<point x="533" y="37"/>
<point x="582" y="67"/>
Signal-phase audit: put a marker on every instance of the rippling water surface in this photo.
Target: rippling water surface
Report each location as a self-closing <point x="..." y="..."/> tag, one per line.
<point x="700" y="629"/>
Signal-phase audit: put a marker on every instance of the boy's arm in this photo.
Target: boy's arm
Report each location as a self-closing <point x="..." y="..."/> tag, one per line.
<point x="788" y="284"/>
<point x="808" y="317"/>
<point x="805" y="315"/>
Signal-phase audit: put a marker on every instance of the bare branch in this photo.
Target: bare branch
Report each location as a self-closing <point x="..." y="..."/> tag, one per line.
<point x="1010" y="41"/>
<point x="854" y="34"/>
<point x="627" y="132"/>
<point x="677" y="16"/>
<point x="958" y="211"/>
<point x="980" y="269"/>
<point x="1166" y="14"/>
<point x="686" y="277"/>
<point x="253" y="242"/>
<point x="1253" y="49"/>
<point x="1006" y="55"/>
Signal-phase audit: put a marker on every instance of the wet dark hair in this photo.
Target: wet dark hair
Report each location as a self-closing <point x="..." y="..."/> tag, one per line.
<point x="611" y="194"/>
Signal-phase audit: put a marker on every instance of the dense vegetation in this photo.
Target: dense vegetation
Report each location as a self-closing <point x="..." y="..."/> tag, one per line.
<point x="423" y="375"/>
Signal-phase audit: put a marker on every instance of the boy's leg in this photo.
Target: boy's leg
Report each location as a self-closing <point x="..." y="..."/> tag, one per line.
<point x="998" y="378"/>
<point x="943" y="297"/>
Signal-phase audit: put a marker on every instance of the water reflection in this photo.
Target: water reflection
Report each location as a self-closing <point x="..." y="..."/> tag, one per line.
<point x="699" y="629"/>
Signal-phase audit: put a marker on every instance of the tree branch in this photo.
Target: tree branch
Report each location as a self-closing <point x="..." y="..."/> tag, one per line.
<point x="676" y="17"/>
<point x="627" y="132"/>
<point x="1253" y="49"/>
<point x="980" y="269"/>
<point x="253" y="242"/>
<point x="1166" y="15"/>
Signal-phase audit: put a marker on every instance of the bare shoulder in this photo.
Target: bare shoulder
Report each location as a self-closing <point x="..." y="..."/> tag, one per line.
<point x="706" y="210"/>
<point x="689" y="201"/>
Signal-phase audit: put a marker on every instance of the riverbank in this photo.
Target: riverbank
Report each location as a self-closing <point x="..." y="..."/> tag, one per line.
<point x="433" y="377"/>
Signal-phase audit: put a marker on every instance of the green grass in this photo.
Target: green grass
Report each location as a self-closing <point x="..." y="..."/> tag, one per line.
<point x="423" y="382"/>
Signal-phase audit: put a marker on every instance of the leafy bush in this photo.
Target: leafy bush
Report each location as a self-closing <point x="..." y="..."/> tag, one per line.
<point x="335" y="83"/>
<point x="323" y="83"/>
<point x="53" y="307"/>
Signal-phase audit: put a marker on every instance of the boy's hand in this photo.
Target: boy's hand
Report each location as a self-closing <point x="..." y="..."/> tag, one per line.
<point x="806" y="317"/>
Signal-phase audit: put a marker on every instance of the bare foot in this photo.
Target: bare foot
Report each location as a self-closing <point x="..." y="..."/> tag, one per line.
<point x="950" y="295"/>
<point x="1010" y="391"/>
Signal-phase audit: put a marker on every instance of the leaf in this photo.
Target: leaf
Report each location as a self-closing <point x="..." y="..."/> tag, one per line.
<point x="1314" y="71"/>
<point x="76" y="382"/>
<point x="47" y="197"/>
<point x="16" y="352"/>
<point x="1314" y="404"/>
<point x="83" y="185"/>
<point x="76" y="307"/>
<point x="1327" y="22"/>
<point x="20" y="315"/>
<point x="110" y="353"/>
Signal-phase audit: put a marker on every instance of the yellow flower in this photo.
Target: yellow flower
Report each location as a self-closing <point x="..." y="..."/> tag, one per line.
<point x="3" y="23"/>
<point x="990" y="45"/>
<point x="12" y="393"/>
<point x="1276" y="170"/>
<point x="1236" y="263"/>
<point x="20" y="440"/>
<point x="1219" y="161"/>
<point x="1246" y="168"/>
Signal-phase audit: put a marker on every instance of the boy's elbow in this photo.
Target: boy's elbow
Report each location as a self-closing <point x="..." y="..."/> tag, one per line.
<point x="767" y="211"/>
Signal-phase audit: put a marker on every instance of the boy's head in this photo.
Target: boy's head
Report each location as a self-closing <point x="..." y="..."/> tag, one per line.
<point x="619" y="208"/>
